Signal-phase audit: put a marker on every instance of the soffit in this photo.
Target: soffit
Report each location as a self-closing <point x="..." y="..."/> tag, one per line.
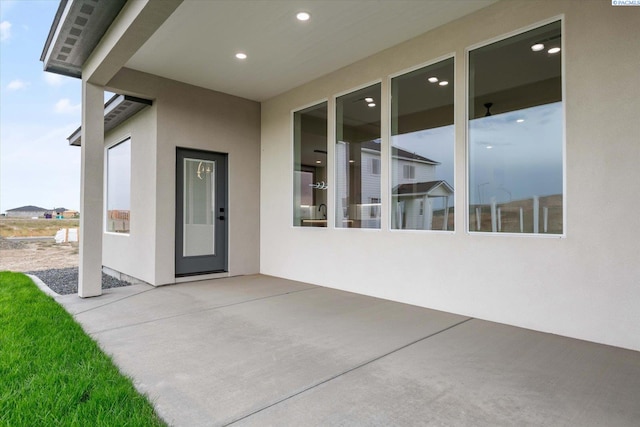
<point x="197" y="43"/>
<point x="77" y="28"/>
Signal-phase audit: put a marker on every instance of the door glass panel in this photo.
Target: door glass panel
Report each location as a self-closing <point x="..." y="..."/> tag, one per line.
<point x="199" y="207"/>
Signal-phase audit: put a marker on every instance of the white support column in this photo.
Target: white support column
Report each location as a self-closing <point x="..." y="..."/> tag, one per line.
<point x="91" y="191"/>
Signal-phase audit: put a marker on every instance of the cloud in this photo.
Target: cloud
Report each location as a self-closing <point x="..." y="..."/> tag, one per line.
<point x="5" y="30"/>
<point x="64" y="106"/>
<point x="54" y="79"/>
<point x="17" y="85"/>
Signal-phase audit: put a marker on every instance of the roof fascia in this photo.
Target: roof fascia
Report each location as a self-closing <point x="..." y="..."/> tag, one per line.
<point x="54" y="30"/>
<point x="134" y="25"/>
<point x="117" y="110"/>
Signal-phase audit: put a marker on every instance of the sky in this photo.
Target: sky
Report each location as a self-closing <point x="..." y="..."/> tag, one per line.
<point x="38" y="111"/>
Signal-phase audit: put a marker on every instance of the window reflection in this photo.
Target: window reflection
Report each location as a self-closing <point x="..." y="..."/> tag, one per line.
<point x="358" y="159"/>
<point x="119" y="187"/>
<point x="516" y="134"/>
<point x="310" y="167"/>
<point x="423" y="148"/>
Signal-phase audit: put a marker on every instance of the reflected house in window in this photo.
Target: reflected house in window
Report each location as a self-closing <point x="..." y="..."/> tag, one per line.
<point x="418" y="194"/>
<point x="358" y="163"/>
<point x="358" y="184"/>
<point x="422" y="118"/>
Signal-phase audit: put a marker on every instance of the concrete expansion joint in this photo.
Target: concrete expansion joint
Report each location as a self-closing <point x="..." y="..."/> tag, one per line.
<point x="113" y="301"/>
<point x="361" y="365"/>
<point x="217" y="307"/>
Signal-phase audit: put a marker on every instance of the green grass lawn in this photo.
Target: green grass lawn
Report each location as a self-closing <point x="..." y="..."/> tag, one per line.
<point x="52" y="373"/>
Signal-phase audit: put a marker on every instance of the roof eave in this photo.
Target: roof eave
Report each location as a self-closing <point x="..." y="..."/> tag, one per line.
<point x="77" y="29"/>
<point x="117" y="110"/>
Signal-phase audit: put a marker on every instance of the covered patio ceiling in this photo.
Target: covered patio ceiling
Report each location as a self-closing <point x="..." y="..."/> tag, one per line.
<point x="198" y="42"/>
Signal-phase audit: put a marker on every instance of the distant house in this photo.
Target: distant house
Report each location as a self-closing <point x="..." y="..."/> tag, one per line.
<point x="62" y="213"/>
<point x="29" y="211"/>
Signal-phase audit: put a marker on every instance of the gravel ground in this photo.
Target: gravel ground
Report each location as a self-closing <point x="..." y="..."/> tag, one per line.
<point x="64" y="281"/>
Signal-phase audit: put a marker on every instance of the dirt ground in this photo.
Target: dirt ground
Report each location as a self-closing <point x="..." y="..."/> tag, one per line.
<point x="36" y="255"/>
<point x="24" y="227"/>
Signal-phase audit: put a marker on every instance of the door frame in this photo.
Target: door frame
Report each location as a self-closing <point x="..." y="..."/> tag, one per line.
<point x="194" y="265"/>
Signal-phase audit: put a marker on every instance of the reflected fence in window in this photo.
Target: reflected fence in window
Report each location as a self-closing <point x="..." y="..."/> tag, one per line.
<point x="118" y="221"/>
<point x="537" y="215"/>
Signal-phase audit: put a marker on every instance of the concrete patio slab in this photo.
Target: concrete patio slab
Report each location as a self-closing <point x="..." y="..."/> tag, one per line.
<point x="477" y="374"/>
<point x="74" y="304"/>
<point x="168" y="301"/>
<point x="258" y="350"/>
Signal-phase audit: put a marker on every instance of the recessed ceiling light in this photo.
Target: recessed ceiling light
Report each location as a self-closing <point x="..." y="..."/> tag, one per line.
<point x="554" y="50"/>
<point x="368" y="100"/>
<point x="371" y="104"/>
<point x="303" y="16"/>
<point x="520" y="121"/>
<point x="433" y="79"/>
<point x="443" y="83"/>
<point x="241" y="55"/>
<point x="537" y="47"/>
<point x="489" y="147"/>
<point x="318" y="161"/>
<point x="352" y="161"/>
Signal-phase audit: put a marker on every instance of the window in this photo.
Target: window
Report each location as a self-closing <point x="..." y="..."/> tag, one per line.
<point x="375" y="166"/>
<point x="119" y="187"/>
<point x="374" y="212"/>
<point x="310" y="166"/>
<point x="409" y="172"/>
<point x="516" y="134"/>
<point x="422" y="148"/>
<point x="357" y="145"/>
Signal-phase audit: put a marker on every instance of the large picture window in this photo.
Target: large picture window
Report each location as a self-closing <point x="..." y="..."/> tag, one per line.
<point x="422" y="148"/>
<point x="310" y="166"/>
<point x="357" y="159"/>
<point x="515" y="133"/>
<point x="119" y="187"/>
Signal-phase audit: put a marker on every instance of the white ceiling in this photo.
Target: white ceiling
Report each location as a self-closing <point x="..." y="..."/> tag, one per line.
<point x="198" y="43"/>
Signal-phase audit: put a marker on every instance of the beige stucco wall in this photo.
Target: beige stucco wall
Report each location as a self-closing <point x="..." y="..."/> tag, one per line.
<point x="132" y="254"/>
<point x="190" y="117"/>
<point x="586" y="285"/>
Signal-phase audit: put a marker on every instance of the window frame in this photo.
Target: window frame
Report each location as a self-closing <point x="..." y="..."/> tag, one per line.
<point x="330" y="166"/>
<point x="333" y="141"/>
<point x="467" y="67"/>
<point x="389" y="190"/>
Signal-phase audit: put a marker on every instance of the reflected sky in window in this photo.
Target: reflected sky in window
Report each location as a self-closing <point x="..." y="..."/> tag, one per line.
<point x="516" y="155"/>
<point x="119" y="177"/>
